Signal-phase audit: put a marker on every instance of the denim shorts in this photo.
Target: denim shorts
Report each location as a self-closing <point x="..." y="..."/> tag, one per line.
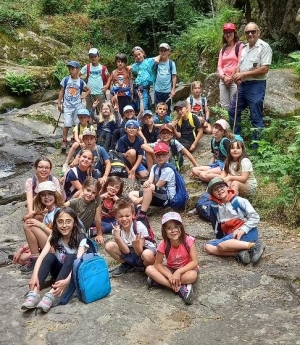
<point x="141" y="167"/>
<point x="133" y="259"/>
<point x="217" y="164"/>
<point x="251" y="236"/>
<point x="70" y="116"/>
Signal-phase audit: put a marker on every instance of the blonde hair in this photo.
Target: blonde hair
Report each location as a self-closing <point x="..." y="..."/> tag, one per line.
<point x="195" y="83"/>
<point x="111" y="115"/>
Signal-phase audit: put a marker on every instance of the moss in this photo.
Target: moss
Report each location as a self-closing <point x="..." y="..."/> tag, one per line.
<point x="42" y="118"/>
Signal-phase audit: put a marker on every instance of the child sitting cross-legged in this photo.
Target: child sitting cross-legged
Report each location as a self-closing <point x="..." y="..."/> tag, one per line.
<point x="130" y="248"/>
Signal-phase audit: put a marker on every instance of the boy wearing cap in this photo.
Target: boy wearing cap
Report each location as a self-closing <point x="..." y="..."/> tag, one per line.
<point x="69" y="98"/>
<point x="160" y="187"/>
<point x="165" y="82"/>
<point x="234" y="222"/>
<point x="98" y="79"/>
<point x="187" y="127"/>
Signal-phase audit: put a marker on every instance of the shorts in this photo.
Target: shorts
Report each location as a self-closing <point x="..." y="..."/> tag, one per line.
<point x="70" y="116"/>
<point x="251" y="236"/>
<point x="217" y="164"/>
<point x="159" y="197"/>
<point x="133" y="259"/>
<point x="141" y="167"/>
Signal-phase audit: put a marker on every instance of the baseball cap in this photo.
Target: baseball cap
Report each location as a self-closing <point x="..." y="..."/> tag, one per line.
<point x="47" y="186"/>
<point x="214" y="182"/>
<point x="165" y="45"/>
<point x="147" y="112"/>
<point x="127" y="107"/>
<point x="165" y="127"/>
<point x="132" y="123"/>
<point x="171" y="216"/>
<point x="161" y="147"/>
<point x="83" y="112"/>
<point x="223" y="123"/>
<point x="229" y="26"/>
<point x="74" y="64"/>
<point x="89" y="131"/>
<point x="94" y="51"/>
<point x="180" y="104"/>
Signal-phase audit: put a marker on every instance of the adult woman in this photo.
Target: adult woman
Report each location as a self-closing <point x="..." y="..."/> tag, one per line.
<point x="228" y="60"/>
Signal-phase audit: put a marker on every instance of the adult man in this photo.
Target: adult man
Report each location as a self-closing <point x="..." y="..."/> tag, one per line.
<point x="250" y="76"/>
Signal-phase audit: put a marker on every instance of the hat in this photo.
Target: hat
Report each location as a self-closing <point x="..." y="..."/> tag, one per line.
<point x="147" y="112"/>
<point x="73" y="64"/>
<point x="47" y="186"/>
<point x="166" y="127"/>
<point x="132" y="123"/>
<point x="214" y="182"/>
<point x="83" y="112"/>
<point x="161" y="147"/>
<point x="171" y="216"/>
<point x="127" y="107"/>
<point x="223" y="123"/>
<point x="89" y="131"/>
<point x="94" y="51"/>
<point x="165" y="45"/>
<point x="180" y="104"/>
<point x="229" y="26"/>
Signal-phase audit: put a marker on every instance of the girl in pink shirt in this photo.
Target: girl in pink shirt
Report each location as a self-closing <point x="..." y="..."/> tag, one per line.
<point x="228" y="61"/>
<point x="181" y="268"/>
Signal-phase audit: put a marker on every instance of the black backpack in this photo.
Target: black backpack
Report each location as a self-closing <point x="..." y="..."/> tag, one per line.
<point x="118" y="164"/>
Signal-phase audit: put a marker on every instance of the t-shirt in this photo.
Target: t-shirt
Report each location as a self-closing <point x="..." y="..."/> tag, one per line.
<point x="95" y="82"/>
<point x="196" y="105"/>
<point x="141" y="229"/>
<point x="215" y="148"/>
<point x="163" y="82"/>
<point x="246" y="166"/>
<point x="86" y="212"/>
<point x="72" y="92"/>
<point x="97" y="161"/>
<point x="48" y="218"/>
<point x="152" y="136"/>
<point x="28" y="185"/>
<point x="188" y="132"/>
<point x="176" y="143"/>
<point x="167" y="175"/>
<point x="228" y="61"/>
<point x="82" y="128"/>
<point x="159" y="121"/>
<point x="64" y="249"/>
<point x="124" y="145"/>
<point x="121" y="82"/>
<point x="144" y="72"/>
<point x="107" y="206"/>
<point x="178" y="257"/>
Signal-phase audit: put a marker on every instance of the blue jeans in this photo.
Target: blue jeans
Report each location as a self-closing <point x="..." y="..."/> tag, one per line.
<point x="251" y="236"/>
<point x="162" y="97"/>
<point x="250" y="93"/>
<point x="106" y="225"/>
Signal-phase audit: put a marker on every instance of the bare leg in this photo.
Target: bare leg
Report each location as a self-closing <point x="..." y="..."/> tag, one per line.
<point x="36" y="238"/>
<point x="113" y="250"/>
<point x="147" y="197"/>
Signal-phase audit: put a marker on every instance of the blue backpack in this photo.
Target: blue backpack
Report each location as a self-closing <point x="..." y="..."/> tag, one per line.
<point x="181" y="197"/>
<point x="203" y="206"/>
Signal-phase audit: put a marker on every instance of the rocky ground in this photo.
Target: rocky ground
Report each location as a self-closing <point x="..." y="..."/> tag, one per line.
<point x="233" y="304"/>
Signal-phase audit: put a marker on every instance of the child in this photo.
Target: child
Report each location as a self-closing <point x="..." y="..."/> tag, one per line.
<point x="121" y="83"/>
<point x="131" y="249"/>
<point x="88" y="206"/>
<point x="234" y="222"/>
<point x="238" y="170"/>
<point x="36" y="232"/>
<point x="157" y="190"/>
<point x="197" y="104"/>
<point x="165" y="82"/>
<point x="83" y="117"/>
<point x="56" y="258"/>
<point x="149" y="130"/>
<point x="181" y="268"/>
<point x="219" y="146"/>
<point x="98" y="79"/>
<point x="110" y="193"/>
<point x="161" y="117"/>
<point x="131" y="146"/>
<point x="187" y="127"/>
<point x="71" y="94"/>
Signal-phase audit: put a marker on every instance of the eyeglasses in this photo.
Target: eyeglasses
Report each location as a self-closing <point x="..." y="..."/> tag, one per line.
<point x="219" y="187"/>
<point x="43" y="168"/>
<point x="163" y="50"/>
<point x="252" y="32"/>
<point x="161" y="154"/>
<point x="175" y="227"/>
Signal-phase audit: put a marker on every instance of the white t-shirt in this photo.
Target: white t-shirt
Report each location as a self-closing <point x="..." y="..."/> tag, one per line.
<point x="167" y="175"/>
<point x="246" y="166"/>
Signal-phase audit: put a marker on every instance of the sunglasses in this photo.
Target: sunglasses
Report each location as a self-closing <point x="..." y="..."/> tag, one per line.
<point x="219" y="187"/>
<point x="228" y="32"/>
<point x="252" y="32"/>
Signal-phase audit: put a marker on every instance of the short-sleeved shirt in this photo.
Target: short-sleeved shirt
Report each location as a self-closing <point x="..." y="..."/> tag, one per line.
<point x="177" y="257"/>
<point x="85" y="211"/>
<point x="97" y="161"/>
<point x="28" y="185"/>
<point x="121" y="81"/>
<point x="48" y="218"/>
<point x="259" y="55"/>
<point x="246" y="166"/>
<point x="176" y="143"/>
<point x="152" y="136"/>
<point x="82" y="128"/>
<point x="107" y="205"/>
<point x="163" y="82"/>
<point x="167" y="175"/>
<point x="124" y="145"/>
<point x="196" y="105"/>
<point x="72" y="92"/>
<point x="158" y="121"/>
<point x="95" y="82"/>
<point x="216" y="151"/>
<point x="188" y="132"/>
<point x="144" y="72"/>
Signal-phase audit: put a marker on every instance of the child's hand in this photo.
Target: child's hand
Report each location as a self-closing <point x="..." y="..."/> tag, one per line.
<point x="137" y="242"/>
<point x="131" y="174"/>
<point x="95" y="103"/>
<point x="103" y="179"/>
<point x="60" y="107"/>
<point x="60" y="286"/>
<point x="140" y="95"/>
<point x="175" y="281"/>
<point x="34" y="282"/>
<point x="83" y="95"/>
<point x="117" y="231"/>
<point x="238" y="233"/>
<point x="32" y="222"/>
<point x="100" y="239"/>
<point x="147" y="184"/>
<point x="174" y="123"/>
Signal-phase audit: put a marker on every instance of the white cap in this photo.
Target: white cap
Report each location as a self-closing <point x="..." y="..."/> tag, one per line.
<point x="94" y="51"/>
<point x="47" y="186"/>
<point x="171" y="216"/>
<point x="165" y="45"/>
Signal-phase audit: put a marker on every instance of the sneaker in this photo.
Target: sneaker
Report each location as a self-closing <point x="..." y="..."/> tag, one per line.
<point x="151" y="283"/>
<point x="28" y="268"/>
<point x="186" y="292"/>
<point x="65" y="168"/>
<point x="46" y="302"/>
<point x="63" y="145"/>
<point x="256" y="252"/>
<point x="122" y="269"/>
<point x="32" y="300"/>
<point x="243" y="256"/>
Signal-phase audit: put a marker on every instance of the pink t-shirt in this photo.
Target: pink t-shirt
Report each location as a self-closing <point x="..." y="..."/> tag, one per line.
<point x="228" y="61"/>
<point x="178" y="257"/>
<point x="28" y="185"/>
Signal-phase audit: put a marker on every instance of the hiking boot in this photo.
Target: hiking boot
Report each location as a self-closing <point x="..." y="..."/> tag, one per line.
<point x="28" y="268"/>
<point x="32" y="300"/>
<point x="186" y="292"/>
<point x="63" y="145"/>
<point x="46" y="302"/>
<point x="122" y="269"/>
<point x="256" y="252"/>
<point x="151" y="283"/>
<point x="65" y="168"/>
<point x="243" y="256"/>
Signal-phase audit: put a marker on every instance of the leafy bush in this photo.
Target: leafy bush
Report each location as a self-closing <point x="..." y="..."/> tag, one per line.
<point x="53" y="7"/>
<point x="296" y="63"/>
<point x="13" y="18"/>
<point x="61" y="71"/>
<point x="20" y="83"/>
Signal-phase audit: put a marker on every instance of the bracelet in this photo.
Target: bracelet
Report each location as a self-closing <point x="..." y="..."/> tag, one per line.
<point x="43" y="227"/>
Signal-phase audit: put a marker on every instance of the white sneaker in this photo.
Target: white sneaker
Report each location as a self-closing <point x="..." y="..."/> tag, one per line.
<point x="32" y="300"/>
<point x="65" y="168"/>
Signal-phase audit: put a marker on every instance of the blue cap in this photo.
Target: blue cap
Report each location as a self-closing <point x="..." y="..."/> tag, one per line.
<point x="132" y="123"/>
<point x="83" y="112"/>
<point x="74" y="64"/>
<point x="147" y="112"/>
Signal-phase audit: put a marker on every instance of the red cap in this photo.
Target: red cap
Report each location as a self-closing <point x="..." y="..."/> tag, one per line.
<point x="161" y="147"/>
<point x="229" y="26"/>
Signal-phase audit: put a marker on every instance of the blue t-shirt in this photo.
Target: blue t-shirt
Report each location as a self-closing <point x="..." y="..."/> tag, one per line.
<point x="124" y="145"/>
<point x="144" y="72"/>
<point x="95" y="82"/>
<point x="163" y="82"/>
<point x="166" y="119"/>
<point x="72" y="92"/>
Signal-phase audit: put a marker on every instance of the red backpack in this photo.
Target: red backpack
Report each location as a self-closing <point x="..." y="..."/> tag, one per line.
<point x="144" y="219"/>
<point x="103" y="73"/>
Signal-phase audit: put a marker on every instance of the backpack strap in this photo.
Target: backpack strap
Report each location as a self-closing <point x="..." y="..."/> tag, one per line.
<point x="191" y="101"/>
<point x="222" y="147"/>
<point x="237" y="47"/>
<point x="65" y="86"/>
<point x="203" y="103"/>
<point x="174" y="153"/>
<point x="100" y="158"/>
<point x="103" y="74"/>
<point x="88" y="71"/>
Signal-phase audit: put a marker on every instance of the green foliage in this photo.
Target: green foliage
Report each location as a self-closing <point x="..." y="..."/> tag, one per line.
<point x="60" y="71"/>
<point x="13" y="18"/>
<point x="296" y="63"/>
<point x="20" y="83"/>
<point x="53" y="7"/>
